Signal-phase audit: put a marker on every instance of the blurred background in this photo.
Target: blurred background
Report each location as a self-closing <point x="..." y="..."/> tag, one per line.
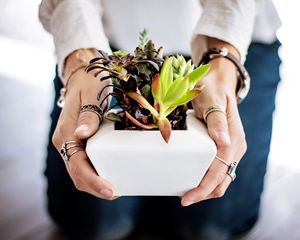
<point x="26" y="70"/>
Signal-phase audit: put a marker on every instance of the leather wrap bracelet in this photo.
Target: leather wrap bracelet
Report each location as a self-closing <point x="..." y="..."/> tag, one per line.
<point x="243" y="84"/>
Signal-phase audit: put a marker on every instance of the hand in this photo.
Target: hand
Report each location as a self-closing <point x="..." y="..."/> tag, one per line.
<point x="226" y="131"/>
<point x="82" y="89"/>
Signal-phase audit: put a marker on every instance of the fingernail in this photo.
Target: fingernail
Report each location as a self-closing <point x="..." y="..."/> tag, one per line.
<point x="106" y="192"/>
<point x="224" y="137"/>
<point x="82" y="128"/>
<point x="186" y="203"/>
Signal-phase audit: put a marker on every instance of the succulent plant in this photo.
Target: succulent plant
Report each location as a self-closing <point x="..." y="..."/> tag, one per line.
<point x="150" y="90"/>
<point x="169" y="94"/>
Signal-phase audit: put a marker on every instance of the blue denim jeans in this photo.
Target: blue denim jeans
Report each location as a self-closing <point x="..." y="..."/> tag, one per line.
<point x="87" y="217"/>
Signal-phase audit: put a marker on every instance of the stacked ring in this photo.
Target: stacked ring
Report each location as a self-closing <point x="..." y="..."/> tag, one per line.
<point x="213" y="108"/>
<point x="69" y="145"/>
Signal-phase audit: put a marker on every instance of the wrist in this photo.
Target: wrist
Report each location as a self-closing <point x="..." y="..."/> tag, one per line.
<point x="77" y="60"/>
<point x="224" y="73"/>
<point x="220" y="58"/>
<point x="225" y="70"/>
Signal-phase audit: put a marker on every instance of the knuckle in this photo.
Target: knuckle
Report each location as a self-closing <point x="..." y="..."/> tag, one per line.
<point x="61" y="131"/>
<point x="218" y="192"/>
<point x="56" y="139"/>
<point x="78" y="184"/>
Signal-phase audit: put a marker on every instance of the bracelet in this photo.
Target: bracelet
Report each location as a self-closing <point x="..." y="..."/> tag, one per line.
<point x="243" y="84"/>
<point x="61" y="100"/>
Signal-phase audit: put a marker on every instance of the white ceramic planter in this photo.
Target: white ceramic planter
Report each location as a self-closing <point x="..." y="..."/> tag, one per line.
<point x="141" y="163"/>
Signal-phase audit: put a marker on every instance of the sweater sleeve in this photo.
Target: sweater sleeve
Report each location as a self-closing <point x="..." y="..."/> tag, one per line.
<point x="231" y="21"/>
<point x="74" y="24"/>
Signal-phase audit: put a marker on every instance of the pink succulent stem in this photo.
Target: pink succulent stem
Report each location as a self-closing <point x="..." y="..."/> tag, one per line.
<point x="137" y="123"/>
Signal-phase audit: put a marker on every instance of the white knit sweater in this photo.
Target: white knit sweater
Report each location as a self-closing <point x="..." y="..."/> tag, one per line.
<point x="78" y="24"/>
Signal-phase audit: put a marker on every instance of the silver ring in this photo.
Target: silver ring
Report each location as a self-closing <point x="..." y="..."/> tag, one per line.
<point x="75" y="151"/>
<point x="231" y="168"/>
<point x="213" y="108"/>
<point x="93" y="108"/>
<point x="69" y="145"/>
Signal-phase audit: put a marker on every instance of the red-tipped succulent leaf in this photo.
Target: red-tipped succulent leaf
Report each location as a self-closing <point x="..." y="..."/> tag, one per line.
<point x="165" y="129"/>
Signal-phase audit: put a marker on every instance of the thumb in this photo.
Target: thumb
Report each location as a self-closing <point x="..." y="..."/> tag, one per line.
<point x="218" y="128"/>
<point x="88" y="124"/>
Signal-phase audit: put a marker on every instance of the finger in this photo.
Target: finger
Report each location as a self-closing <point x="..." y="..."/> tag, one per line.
<point x="236" y="129"/>
<point x="86" y="179"/>
<point x="88" y="122"/>
<point x="220" y="190"/>
<point x="67" y="121"/>
<point x="214" y="176"/>
<point x="218" y="129"/>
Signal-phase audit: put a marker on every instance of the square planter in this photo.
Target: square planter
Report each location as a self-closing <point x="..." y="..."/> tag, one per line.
<point x="139" y="162"/>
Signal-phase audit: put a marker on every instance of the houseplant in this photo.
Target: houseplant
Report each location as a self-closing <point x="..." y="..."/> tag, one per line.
<point x="151" y="93"/>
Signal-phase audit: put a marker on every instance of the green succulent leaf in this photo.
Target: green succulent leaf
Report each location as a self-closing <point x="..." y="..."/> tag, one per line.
<point x="176" y="75"/>
<point x="197" y="74"/>
<point x="181" y="67"/>
<point x="169" y="110"/>
<point x="187" y="97"/>
<point x="189" y="68"/>
<point x="166" y="76"/>
<point x="177" y="89"/>
<point x="175" y="63"/>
